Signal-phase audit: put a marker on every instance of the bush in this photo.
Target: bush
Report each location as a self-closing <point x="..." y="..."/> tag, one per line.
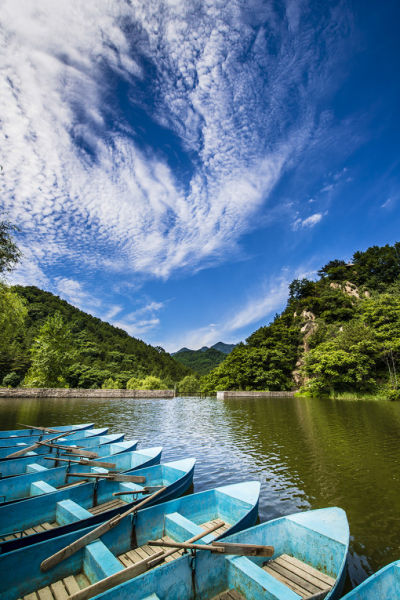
<point x="188" y="386"/>
<point x="392" y="394"/>
<point x="11" y="380"/>
<point x="110" y="384"/>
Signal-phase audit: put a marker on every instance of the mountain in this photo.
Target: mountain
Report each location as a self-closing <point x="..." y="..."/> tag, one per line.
<point x="219" y="346"/>
<point x="201" y="361"/>
<point x="100" y="351"/>
<point x="224" y="348"/>
<point x="339" y="334"/>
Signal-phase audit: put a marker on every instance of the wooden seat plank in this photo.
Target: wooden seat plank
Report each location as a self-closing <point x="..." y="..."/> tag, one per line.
<point x="31" y="596"/>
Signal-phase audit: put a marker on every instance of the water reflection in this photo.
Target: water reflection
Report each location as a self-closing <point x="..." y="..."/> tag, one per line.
<point x="306" y="453"/>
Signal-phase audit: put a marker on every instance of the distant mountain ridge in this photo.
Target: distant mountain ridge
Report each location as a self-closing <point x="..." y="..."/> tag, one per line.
<point x="219" y="346"/>
<point x="205" y="359"/>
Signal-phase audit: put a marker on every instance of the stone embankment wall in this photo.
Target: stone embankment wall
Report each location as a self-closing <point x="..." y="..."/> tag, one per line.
<point x="233" y="394"/>
<point x="82" y="393"/>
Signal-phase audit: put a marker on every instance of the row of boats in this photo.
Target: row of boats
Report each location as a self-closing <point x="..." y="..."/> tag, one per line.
<point x="84" y="514"/>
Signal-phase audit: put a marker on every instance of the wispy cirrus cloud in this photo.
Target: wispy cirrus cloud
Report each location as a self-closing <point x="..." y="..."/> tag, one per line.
<point x="152" y="133"/>
<point x="267" y="300"/>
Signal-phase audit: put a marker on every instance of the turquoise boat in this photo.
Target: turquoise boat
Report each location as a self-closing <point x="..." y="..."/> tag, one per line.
<point x="219" y="512"/>
<point x="383" y="585"/>
<point x="9" y="446"/>
<point x="39" y="431"/>
<point x="42" y="480"/>
<point x="89" y="443"/>
<point x="107" y="445"/>
<point x="308" y="562"/>
<point x="47" y="516"/>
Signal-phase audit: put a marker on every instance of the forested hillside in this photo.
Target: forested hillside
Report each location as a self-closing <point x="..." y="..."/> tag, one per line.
<point x="339" y="334"/>
<point x="55" y="344"/>
<point x="201" y="361"/>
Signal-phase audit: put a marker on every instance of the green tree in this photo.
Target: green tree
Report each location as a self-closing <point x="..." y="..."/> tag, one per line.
<point x="153" y="383"/>
<point x="188" y="386"/>
<point x="52" y="353"/>
<point x="9" y="252"/>
<point x="110" y="384"/>
<point x="13" y="312"/>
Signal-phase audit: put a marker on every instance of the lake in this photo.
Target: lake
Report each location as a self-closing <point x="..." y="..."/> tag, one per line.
<point x="307" y="453"/>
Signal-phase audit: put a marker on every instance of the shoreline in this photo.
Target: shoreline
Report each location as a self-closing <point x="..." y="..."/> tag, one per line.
<point x="82" y="393"/>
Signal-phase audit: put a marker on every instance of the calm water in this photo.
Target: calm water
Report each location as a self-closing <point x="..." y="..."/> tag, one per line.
<point x="306" y="453"/>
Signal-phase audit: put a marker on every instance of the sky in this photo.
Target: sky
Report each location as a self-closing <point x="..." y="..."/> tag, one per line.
<point x="173" y="165"/>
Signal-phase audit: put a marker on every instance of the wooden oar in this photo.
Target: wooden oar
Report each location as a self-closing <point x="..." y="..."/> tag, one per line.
<point x="111" y="476"/>
<point x="133" y="571"/>
<point x="93" y="463"/>
<point x="37" y="444"/>
<point x="49" y="429"/>
<point x="70" y="450"/>
<point x="145" y="490"/>
<point x="61" y="555"/>
<point x="219" y="547"/>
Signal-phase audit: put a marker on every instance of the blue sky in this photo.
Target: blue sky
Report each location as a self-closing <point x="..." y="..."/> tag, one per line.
<point x="174" y="165"/>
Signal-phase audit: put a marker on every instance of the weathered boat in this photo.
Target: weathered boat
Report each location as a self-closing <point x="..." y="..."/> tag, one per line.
<point x="107" y="445"/>
<point x="33" y="431"/>
<point x="307" y="560"/>
<point x="208" y="515"/>
<point x="383" y="585"/>
<point x="69" y="509"/>
<point x="10" y="446"/>
<point x="42" y="480"/>
<point x="57" y="447"/>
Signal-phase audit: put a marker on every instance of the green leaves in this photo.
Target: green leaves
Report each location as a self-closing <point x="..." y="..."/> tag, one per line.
<point x="52" y="352"/>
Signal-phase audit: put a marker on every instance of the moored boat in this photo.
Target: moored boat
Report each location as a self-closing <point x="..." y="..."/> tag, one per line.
<point x="106" y="445"/>
<point x="383" y="585"/>
<point x="48" y="447"/>
<point x="11" y="445"/>
<point x="45" y="517"/>
<point x="308" y="558"/>
<point x="42" y="480"/>
<point x="211" y="514"/>
<point x="33" y="431"/>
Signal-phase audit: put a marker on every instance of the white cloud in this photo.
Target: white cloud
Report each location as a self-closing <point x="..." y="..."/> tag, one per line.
<point x="261" y="305"/>
<point x="76" y="179"/>
<point x="309" y="222"/>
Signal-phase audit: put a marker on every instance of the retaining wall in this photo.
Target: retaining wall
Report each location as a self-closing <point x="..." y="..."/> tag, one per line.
<point x="234" y="394"/>
<point x="82" y="393"/>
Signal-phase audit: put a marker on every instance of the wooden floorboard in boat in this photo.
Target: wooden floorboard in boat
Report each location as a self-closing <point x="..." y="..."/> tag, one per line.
<point x="140" y="553"/>
<point x="303" y="579"/>
<point x="61" y="589"/>
<point x="95" y="510"/>
<point x="229" y="595"/>
<point x="31" y="530"/>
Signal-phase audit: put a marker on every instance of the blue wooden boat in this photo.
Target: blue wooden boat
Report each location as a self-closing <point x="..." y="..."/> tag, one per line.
<point x="108" y="445"/>
<point x="99" y="438"/>
<point x="9" y="445"/>
<point x="383" y="585"/>
<point x="42" y="480"/>
<point x="219" y="512"/>
<point x="45" y="517"/>
<point x="38" y="431"/>
<point x="308" y="562"/>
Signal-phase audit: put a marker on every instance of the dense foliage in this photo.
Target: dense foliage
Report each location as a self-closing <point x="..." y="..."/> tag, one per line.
<point x="54" y="344"/>
<point x="201" y="361"/>
<point x="339" y="334"/>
